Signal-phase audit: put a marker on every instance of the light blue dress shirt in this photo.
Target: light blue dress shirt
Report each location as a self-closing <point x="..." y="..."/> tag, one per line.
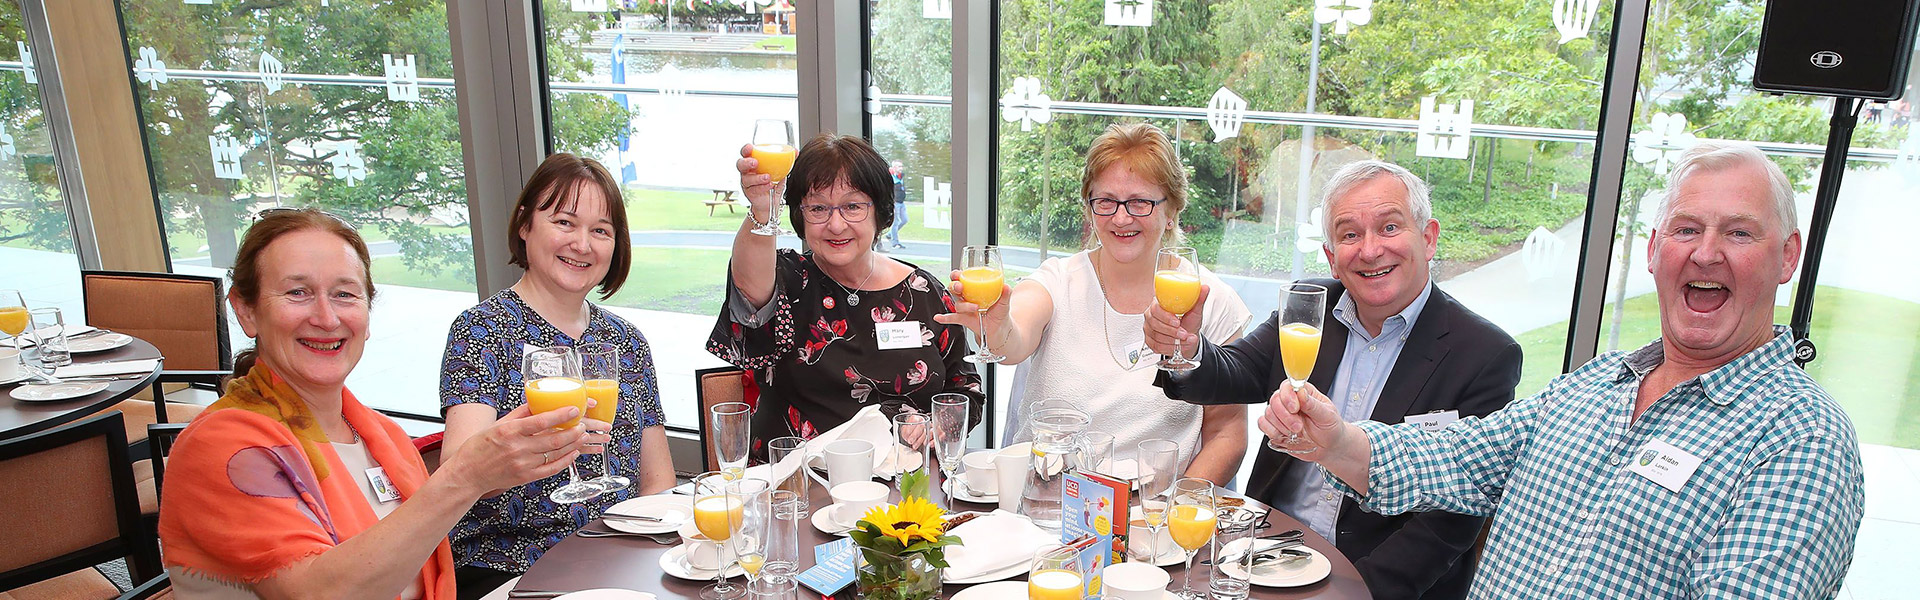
<point x="1364" y="368"/>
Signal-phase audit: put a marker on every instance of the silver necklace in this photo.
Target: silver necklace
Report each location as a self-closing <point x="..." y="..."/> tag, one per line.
<point x="853" y="295"/>
<point x="1105" y="334"/>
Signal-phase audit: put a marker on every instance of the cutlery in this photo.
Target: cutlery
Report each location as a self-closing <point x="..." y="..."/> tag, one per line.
<point x="658" y="538"/>
<point x="1280" y="557"/>
<point x="632" y="517"/>
<point x="535" y="594"/>
<point x="1282" y="545"/>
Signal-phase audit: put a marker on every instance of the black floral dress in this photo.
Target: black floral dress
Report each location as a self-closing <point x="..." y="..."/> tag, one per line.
<point x="816" y="357"/>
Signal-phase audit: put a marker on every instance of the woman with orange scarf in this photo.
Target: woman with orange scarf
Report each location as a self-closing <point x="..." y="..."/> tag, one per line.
<point x="289" y="486"/>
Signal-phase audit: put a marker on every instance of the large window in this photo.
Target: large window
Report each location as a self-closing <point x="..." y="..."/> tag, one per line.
<point x="36" y="239"/>
<point x="343" y="106"/>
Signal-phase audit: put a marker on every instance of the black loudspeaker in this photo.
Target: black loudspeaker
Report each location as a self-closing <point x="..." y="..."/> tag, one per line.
<point x="1854" y="48"/>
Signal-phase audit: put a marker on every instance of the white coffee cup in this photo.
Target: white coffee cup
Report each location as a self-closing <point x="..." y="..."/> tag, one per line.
<point x="1010" y="467"/>
<point x="851" y="500"/>
<point x="703" y="553"/>
<point x="9" y="364"/>
<point x="848" y="461"/>
<point x="980" y="472"/>
<point x="1135" y="581"/>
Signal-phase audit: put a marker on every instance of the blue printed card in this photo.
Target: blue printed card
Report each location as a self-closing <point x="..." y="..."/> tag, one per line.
<point x="833" y="567"/>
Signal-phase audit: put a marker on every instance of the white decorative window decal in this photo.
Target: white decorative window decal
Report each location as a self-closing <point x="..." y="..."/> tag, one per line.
<point x="589" y="5"/>
<point x="936" y="204"/>
<point x="1130" y="13"/>
<point x="1226" y="112"/>
<point x="348" y="164"/>
<point x="6" y="142"/>
<point x="1444" y="132"/>
<point x="26" y="63"/>
<point x="936" y="9"/>
<point x="1574" y="18"/>
<point x="403" y="78"/>
<point x="226" y="156"/>
<point x="1541" y="253"/>
<point x="1026" y="104"/>
<point x="748" y="5"/>
<point x="873" y="100"/>
<point x="1663" y="141"/>
<point x="272" y="73"/>
<point x="670" y="82"/>
<point x="1308" y="236"/>
<point x="1907" y="162"/>
<point x="1343" y="14"/>
<point x="149" y="69"/>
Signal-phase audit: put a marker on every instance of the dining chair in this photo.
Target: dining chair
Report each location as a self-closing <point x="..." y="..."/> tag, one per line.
<point x="184" y="316"/>
<point x="73" y="506"/>
<point x="716" y="386"/>
<point x="429" y="447"/>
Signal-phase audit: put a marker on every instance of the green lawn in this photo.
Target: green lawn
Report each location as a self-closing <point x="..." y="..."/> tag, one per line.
<point x="649" y="209"/>
<point x="1869" y="357"/>
<point x="778" y="43"/>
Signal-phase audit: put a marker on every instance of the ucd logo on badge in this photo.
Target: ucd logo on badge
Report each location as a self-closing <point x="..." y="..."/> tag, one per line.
<point x="1647" y="457"/>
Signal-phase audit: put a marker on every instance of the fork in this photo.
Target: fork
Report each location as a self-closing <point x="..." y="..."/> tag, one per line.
<point x="657" y="538"/>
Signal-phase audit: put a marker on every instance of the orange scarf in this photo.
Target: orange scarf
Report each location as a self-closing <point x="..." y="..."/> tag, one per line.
<point x="259" y="488"/>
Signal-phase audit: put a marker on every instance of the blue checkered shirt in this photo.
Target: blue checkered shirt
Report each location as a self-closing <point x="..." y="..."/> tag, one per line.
<point x="1771" y="511"/>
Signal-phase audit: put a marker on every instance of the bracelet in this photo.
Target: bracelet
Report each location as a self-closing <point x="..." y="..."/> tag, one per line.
<point x="756" y="222"/>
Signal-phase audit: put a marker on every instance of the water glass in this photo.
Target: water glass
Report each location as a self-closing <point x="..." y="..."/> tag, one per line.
<point x="729" y="436"/>
<point x="1096" y="451"/>
<point x="770" y="588"/>
<point x="50" y="332"/>
<point x="912" y="433"/>
<point x="1225" y="582"/>
<point x="783" y="535"/>
<point x="797" y="482"/>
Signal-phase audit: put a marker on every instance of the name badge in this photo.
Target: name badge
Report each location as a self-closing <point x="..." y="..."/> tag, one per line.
<point x="382" y="486"/>
<point x="1434" y="421"/>
<point x="898" y="334"/>
<point x="1664" y="464"/>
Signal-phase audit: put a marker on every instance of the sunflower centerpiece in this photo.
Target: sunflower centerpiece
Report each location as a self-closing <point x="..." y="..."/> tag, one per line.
<point x="904" y="548"/>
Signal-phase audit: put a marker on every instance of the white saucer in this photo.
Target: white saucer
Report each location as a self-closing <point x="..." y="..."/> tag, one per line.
<point x="1013" y="570"/>
<point x="884" y="465"/>
<point x="45" y="392"/>
<point x="98" y="343"/>
<point x="674" y="563"/>
<point x="607" y="594"/>
<point x="1294" y="575"/>
<point x="1170" y="555"/>
<point x="998" y="590"/>
<point x="673" y="511"/>
<point x="824" y="520"/>
<point x="23" y="375"/>
<point x="966" y="494"/>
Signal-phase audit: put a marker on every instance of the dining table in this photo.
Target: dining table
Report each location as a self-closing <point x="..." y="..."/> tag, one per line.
<point x="632" y="562"/>
<point x="22" y="417"/>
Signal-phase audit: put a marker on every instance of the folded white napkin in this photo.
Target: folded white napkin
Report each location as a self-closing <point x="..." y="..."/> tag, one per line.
<point x="107" y="368"/>
<point x="27" y="341"/>
<point x="994" y="542"/>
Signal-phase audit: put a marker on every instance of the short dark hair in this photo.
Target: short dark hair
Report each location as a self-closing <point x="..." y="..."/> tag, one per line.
<point x="558" y="180"/>
<point x="828" y="159"/>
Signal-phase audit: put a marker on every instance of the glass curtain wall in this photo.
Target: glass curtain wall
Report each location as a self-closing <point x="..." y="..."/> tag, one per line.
<point x="36" y="236"/>
<point x="665" y="94"/>
<point x="344" y="106"/>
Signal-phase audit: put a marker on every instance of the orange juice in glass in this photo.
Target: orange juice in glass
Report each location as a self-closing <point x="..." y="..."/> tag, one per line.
<point x="1176" y="286"/>
<point x="13" y="319"/>
<point x="554" y="393"/>
<point x="1192" y="526"/>
<point x="1054" y="584"/>
<point x="982" y="285"/>
<point x="1299" y="349"/>
<point x="606" y="398"/>
<point x="776" y="160"/>
<point x="714" y="516"/>
<point x="1176" y="291"/>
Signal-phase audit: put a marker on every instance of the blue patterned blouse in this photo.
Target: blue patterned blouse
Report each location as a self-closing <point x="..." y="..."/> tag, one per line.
<point x="482" y="365"/>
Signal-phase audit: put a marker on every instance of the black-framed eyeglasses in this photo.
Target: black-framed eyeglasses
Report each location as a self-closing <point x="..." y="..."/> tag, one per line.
<point x="854" y="212"/>
<point x="1138" y="207"/>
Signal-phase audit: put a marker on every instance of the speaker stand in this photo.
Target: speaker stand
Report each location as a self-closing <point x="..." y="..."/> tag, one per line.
<point x="1846" y="114"/>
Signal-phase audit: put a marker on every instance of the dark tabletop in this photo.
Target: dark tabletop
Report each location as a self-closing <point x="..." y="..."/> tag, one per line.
<point x="628" y="562"/>
<point x="18" y="418"/>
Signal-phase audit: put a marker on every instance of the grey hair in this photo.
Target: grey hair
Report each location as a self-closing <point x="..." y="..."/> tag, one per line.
<point x="1716" y="156"/>
<point x="1419" y="201"/>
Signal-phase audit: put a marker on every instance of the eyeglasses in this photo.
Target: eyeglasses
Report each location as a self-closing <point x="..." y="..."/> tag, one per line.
<point x="1138" y="207"/>
<point x="851" y="213"/>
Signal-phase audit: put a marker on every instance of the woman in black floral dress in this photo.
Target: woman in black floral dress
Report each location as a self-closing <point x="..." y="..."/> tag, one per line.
<point x="839" y="327"/>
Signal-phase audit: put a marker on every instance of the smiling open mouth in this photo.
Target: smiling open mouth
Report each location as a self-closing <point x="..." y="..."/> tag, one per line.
<point x="323" y="346"/>
<point x="1706" y="296"/>
<point x="1375" y="274"/>
<point x="574" y="263"/>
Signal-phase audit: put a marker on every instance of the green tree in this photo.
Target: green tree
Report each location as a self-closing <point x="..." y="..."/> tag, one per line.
<point x="31" y="211"/>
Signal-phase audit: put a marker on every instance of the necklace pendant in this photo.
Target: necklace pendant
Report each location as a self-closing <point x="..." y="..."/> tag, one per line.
<point x="853" y="299"/>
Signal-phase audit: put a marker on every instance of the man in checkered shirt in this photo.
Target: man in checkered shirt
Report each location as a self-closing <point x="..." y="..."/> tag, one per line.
<point x="1705" y="464"/>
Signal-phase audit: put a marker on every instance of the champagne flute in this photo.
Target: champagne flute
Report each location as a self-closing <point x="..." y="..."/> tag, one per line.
<point x="714" y="513"/>
<point x="1302" y="306"/>
<point x="982" y="277"/>
<point x="600" y="364"/>
<point x="1158" y="458"/>
<point x="1176" y="285"/>
<point x="950" y="413"/>
<point x="13" y="318"/>
<point x="773" y="147"/>
<point x="1192" y="519"/>
<point x="749" y="526"/>
<point x="1056" y="575"/>
<point x="552" y="378"/>
<point x="729" y="423"/>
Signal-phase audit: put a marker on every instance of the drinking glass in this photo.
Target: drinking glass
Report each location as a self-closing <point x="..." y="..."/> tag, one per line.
<point x="797" y="482"/>
<point x="1176" y="285"/>
<point x="1158" y="460"/>
<point x="600" y="364"/>
<point x="1236" y="523"/>
<point x="552" y="376"/>
<point x="912" y="433"/>
<point x="773" y="147"/>
<point x="783" y="534"/>
<point x="748" y="527"/>
<point x="1096" y="450"/>
<point x="950" y="413"/>
<point x="13" y="317"/>
<point x="1302" y="306"/>
<point x="1191" y="519"/>
<point x="729" y="425"/>
<point x="714" y="514"/>
<point x="50" y="332"/>
<point x="774" y="588"/>
<point x="982" y="277"/>
<point x="1055" y="575"/>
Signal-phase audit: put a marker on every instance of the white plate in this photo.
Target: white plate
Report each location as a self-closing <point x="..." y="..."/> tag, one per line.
<point x="824" y="521"/>
<point x="885" y="470"/>
<point x="1293" y="575"/>
<point x="98" y="343"/>
<point x="998" y="590"/>
<point x="966" y="494"/>
<point x="23" y="375"/>
<point x="57" y="391"/>
<point x="607" y="594"/>
<point x="674" y="563"/>
<point x="673" y="511"/>
<point x="1016" y="569"/>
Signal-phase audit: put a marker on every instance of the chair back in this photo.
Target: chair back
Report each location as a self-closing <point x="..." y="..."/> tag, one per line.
<point x="717" y="385"/>
<point x="72" y="504"/>
<point x="184" y="316"/>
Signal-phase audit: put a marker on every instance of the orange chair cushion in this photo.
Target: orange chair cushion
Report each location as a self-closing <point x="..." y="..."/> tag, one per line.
<point x="180" y="317"/>
<point x="84" y="584"/>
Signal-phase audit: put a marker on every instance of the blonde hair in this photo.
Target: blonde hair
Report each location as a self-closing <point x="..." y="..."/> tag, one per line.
<point x="1147" y="151"/>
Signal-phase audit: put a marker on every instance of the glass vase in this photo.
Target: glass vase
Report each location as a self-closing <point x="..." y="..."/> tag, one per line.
<point x="891" y="577"/>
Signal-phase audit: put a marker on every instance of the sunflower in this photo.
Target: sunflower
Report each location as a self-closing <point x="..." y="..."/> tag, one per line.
<point x="911" y="518"/>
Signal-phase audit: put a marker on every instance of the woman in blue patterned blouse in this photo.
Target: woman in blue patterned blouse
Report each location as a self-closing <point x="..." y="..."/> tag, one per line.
<point x="569" y="231"/>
